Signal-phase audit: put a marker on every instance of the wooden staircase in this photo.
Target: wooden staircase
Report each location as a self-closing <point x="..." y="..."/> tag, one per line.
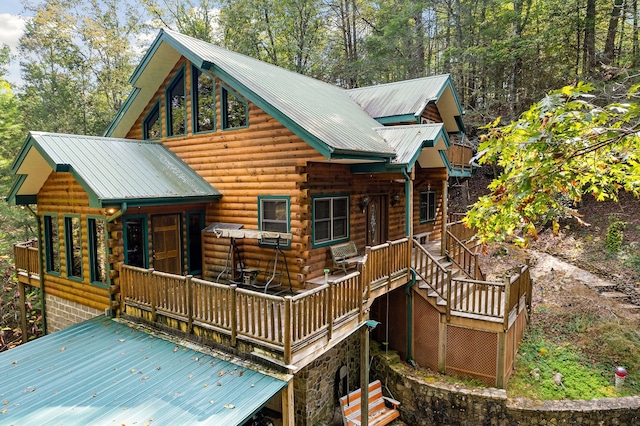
<point x="437" y="298"/>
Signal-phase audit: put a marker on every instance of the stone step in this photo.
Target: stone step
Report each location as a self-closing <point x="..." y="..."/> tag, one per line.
<point x="614" y="295"/>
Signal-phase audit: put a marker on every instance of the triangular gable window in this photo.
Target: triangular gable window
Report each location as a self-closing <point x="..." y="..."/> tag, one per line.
<point x="152" y="128"/>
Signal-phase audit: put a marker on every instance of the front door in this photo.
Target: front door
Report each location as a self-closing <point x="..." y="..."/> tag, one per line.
<point x="377" y="220"/>
<point x="166" y="243"/>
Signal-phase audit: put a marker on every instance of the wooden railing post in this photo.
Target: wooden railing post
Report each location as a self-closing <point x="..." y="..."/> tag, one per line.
<point x="152" y="293"/>
<point x="189" y="303"/>
<point x="448" y="305"/>
<point x="329" y="307"/>
<point x="288" y="302"/>
<point x="507" y="300"/>
<point x="234" y="314"/>
<point x="367" y="272"/>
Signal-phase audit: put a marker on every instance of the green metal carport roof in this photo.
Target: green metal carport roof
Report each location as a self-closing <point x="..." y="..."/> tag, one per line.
<point x="103" y="371"/>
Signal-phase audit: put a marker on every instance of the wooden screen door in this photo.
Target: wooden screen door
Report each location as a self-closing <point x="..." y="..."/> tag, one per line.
<point x="166" y="243"/>
<point x="377" y="220"/>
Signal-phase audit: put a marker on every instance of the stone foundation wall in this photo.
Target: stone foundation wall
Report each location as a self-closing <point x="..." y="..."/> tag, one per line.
<point x="62" y="313"/>
<point x="314" y="386"/>
<point x="427" y="402"/>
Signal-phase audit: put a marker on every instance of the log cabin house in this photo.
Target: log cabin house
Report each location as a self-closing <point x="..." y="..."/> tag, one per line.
<point x="210" y="207"/>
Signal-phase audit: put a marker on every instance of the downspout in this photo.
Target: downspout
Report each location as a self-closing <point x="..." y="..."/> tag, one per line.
<point x="410" y="284"/>
<point x="42" y="268"/>
<point x="109" y="219"/>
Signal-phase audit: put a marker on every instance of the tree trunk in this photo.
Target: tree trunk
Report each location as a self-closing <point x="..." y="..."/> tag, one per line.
<point x="609" y="55"/>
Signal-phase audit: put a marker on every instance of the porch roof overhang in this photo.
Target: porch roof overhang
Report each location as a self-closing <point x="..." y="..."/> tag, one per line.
<point x="425" y="144"/>
<point x="106" y="371"/>
<point x="112" y="171"/>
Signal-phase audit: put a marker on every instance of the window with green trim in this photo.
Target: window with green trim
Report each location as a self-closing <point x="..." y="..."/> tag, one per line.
<point x="234" y="110"/>
<point x="73" y="240"/>
<point x="330" y="219"/>
<point x="195" y="224"/>
<point x="203" y="101"/>
<point x="52" y="243"/>
<point x="273" y="216"/>
<point x="135" y="241"/>
<point x="176" y="106"/>
<point x="152" y="126"/>
<point x="97" y="233"/>
<point x="427" y="206"/>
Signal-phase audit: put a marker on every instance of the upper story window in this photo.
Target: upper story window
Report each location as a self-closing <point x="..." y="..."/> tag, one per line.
<point x="176" y="106"/>
<point x="330" y="219"/>
<point x="152" y="127"/>
<point x="73" y="240"/>
<point x="97" y="233"/>
<point x="203" y="101"/>
<point x="273" y="215"/>
<point x="234" y="110"/>
<point x="52" y="243"/>
<point x="427" y="206"/>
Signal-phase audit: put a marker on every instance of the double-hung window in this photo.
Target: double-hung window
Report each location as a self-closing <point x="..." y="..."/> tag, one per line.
<point x="427" y="206"/>
<point x="273" y="216"/>
<point x="330" y="219"/>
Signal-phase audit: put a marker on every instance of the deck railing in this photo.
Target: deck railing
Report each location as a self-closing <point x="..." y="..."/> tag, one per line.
<point x="461" y="252"/>
<point x="279" y="323"/>
<point x="25" y="255"/>
<point x="472" y="296"/>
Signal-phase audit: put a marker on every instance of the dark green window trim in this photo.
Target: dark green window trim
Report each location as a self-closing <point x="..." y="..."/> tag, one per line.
<point x="428" y="206"/>
<point x="52" y="243"/>
<point x="235" y="110"/>
<point x="136" y="243"/>
<point x="73" y="246"/>
<point x="203" y="109"/>
<point x="274" y="214"/>
<point x="176" y="105"/>
<point x="152" y="123"/>
<point x="332" y="219"/>
<point x="98" y="253"/>
<point x="195" y="224"/>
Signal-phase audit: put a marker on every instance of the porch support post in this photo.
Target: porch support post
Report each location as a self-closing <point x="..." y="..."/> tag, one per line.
<point x="445" y="215"/>
<point x="288" y="408"/>
<point x="408" y="196"/>
<point x="364" y="375"/>
<point x="23" y="309"/>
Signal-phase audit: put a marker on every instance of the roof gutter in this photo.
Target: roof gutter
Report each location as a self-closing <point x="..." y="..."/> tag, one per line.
<point x="123" y="209"/>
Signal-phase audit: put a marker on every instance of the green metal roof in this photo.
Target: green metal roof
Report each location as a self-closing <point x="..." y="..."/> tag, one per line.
<point x="112" y="171"/>
<point x="405" y="101"/>
<point x="409" y="141"/>
<point x="103" y="371"/>
<point x="322" y="114"/>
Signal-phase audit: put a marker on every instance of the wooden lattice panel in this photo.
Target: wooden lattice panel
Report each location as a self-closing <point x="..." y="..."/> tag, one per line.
<point x="426" y="334"/>
<point x="472" y="353"/>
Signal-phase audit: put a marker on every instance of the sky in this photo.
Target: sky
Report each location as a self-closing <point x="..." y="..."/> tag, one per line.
<point x="12" y="22"/>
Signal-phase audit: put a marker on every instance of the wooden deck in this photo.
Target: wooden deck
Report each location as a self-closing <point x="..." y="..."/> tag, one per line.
<point x="291" y="330"/>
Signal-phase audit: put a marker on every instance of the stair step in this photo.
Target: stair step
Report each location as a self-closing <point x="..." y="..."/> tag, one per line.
<point x="614" y="295"/>
<point x="629" y="306"/>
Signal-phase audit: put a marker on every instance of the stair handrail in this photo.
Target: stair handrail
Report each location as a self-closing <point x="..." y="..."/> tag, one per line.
<point x="469" y="264"/>
<point x="430" y="270"/>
